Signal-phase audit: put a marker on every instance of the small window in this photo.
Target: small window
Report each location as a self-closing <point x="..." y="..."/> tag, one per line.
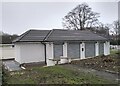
<point x="82" y="49"/>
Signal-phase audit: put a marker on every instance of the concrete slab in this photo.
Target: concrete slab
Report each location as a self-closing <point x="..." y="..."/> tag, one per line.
<point x="11" y="65"/>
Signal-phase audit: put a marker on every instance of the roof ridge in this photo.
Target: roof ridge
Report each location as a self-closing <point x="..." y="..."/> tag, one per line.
<point x="36" y="29"/>
<point x="98" y="34"/>
<point x="50" y="32"/>
<point x="60" y="29"/>
<point x="25" y="34"/>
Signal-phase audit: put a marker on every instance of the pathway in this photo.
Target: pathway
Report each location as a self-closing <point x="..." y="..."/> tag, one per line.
<point x="11" y="65"/>
<point x="103" y="74"/>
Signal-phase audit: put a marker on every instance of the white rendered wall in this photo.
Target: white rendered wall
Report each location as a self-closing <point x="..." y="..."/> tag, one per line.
<point x="30" y="52"/>
<point x="65" y="49"/>
<point x="97" y="49"/>
<point x="82" y="53"/>
<point x="17" y="53"/>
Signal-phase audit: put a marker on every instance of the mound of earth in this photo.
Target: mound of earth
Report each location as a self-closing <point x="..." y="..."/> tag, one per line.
<point x="109" y="62"/>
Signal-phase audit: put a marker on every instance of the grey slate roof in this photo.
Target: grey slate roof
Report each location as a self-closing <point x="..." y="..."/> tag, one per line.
<point x="58" y="35"/>
<point x="32" y="36"/>
<point x="76" y="35"/>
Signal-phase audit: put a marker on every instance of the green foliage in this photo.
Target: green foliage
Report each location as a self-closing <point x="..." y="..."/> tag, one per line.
<point x="113" y="51"/>
<point x="4" y="76"/>
<point x="115" y="42"/>
<point x="7" y="39"/>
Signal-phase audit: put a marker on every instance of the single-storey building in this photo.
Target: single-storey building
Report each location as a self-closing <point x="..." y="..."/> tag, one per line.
<point x="47" y="45"/>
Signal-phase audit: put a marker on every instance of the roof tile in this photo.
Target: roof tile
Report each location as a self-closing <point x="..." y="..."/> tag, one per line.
<point x="58" y="35"/>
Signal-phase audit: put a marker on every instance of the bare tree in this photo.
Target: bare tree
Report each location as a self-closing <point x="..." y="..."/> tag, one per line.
<point x="116" y="31"/>
<point x="116" y="27"/>
<point x="80" y="17"/>
<point x="102" y="29"/>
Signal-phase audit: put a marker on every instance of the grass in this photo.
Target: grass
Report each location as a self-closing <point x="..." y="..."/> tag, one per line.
<point x="0" y="73"/>
<point x="52" y="75"/>
<point x="60" y="74"/>
<point x="114" y="51"/>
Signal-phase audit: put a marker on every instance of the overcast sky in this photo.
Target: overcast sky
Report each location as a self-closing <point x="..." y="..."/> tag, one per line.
<point x="17" y="17"/>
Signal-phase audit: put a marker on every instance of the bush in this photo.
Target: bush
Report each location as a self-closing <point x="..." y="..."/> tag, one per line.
<point x="115" y="42"/>
<point x="3" y="77"/>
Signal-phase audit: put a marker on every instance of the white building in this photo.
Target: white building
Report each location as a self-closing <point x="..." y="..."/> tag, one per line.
<point x="49" y="45"/>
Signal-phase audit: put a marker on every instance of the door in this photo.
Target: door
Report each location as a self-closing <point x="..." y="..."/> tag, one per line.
<point x="90" y="49"/>
<point x="58" y="50"/>
<point x="73" y="50"/>
<point x="101" y="48"/>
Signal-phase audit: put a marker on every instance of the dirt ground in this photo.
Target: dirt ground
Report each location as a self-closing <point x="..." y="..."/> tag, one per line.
<point x="104" y="66"/>
<point x="106" y="63"/>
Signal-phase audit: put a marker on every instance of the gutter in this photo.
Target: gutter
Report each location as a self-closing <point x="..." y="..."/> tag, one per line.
<point x="45" y="53"/>
<point x="45" y="44"/>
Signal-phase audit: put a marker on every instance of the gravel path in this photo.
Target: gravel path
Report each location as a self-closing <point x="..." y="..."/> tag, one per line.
<point x="103" y="74"/>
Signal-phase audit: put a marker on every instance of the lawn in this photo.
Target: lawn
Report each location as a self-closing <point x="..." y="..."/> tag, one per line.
<point x="0" y="77"/>
<point x="52" y="75"/>
<point x="114" y="51"/>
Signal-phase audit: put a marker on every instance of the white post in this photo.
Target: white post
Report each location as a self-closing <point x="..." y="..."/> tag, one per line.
<point x="106" y="48"/>
<point x="108" y="43"/>
<point x="96" y="49"/>
<point x="50" y="54"/>
<point x="49" y="51"/>
<point x="82" y="50"/>
<point x="65" y="49"/>
<point x="64" y="59"/>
